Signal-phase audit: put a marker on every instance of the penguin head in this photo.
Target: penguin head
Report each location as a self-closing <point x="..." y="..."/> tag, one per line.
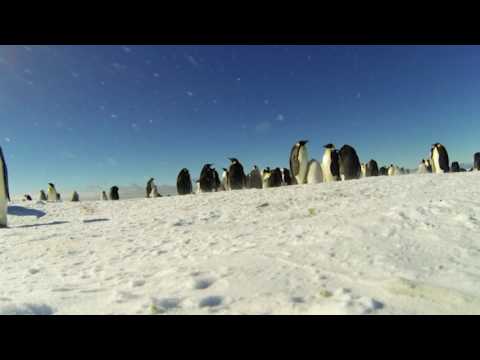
<point x="329" y="146"/>
<point x="51" y="185"/>
<point x="302" y="142"/>
<point x="233" y="160"/>
<point x="255" y="167"/>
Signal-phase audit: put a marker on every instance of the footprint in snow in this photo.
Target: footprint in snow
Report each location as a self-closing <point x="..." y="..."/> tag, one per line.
<point x="202" y="284"/>
<point x="211" y="301"/>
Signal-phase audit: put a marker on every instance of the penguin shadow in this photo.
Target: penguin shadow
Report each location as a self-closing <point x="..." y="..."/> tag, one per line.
<point x="94" y="220"/>
<point x="45" y="224"/>
<point x="21" y="211"/>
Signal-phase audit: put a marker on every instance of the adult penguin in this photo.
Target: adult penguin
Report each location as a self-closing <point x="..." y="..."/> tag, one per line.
<point x="184" y="182"/>
<point x="455" y="167"/>
<point x="476" y="161"/>
<point x="4" y="191"/>
<point x="314" y="172"/>
<point x="225" y="184"/>
<point x="114" y="193"/>
<point x="275" y="178"/>
<point x="75" y="197"/>
<point x="287" y="179"/>
<point x="439" y="156"/>
<point x="218" y="183"/>
<point x="266" y="173"/>
<point x="363" y="168"/>
<point x="392" y="170"/>
<point x="104" y="196"/>
<point x="349" y="163"/>
<point x="207" y="179"/>
<point x="255" y="178"/>
<point x="330" y="164"/>
<point x="372" y="168"/>
<point x="52" y="193"/>
<point x="43" y="196"/>
<point x="236" y="175"/>
<point x="59" y="197"/>
<point x="383" y="171"/>
<point x="149" y="187"/>
<point x="155" y="193"/>
<point x="299" y="162"/>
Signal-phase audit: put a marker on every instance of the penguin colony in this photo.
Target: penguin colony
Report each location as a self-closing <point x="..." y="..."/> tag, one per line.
<point x="335" y="165"/>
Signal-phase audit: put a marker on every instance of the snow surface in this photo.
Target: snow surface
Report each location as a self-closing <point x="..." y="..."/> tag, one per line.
<point x="387" y="245"/>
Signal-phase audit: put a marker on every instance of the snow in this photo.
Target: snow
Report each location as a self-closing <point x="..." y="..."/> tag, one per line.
<point x="386" y="245"/>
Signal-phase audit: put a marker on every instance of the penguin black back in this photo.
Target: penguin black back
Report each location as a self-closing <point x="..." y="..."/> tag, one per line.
<point x="372" y="168"/>
<point x="443" y="161"/>
<point x="455" y="167"/>
<point x="275" y="179"/>
<point x="184" y="182"/>
<point x="296" y="166"/>
<point x="255" y="179"/>
<point x="149" y="187"/>
<point x="236" y="175"/>
<point x="476" y="161"/>
<point x="217" y="182"/>
<point x="350" y="166"/>
<point x="114" y="193"/>
<point x="207" y="179"/>
<point x="43" y="196"/>
<point x="287" y="179"/>
<point x="5" y="174"/>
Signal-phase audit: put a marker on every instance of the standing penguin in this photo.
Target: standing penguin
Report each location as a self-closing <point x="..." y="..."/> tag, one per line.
<point x="391" y="170"/>
<point x="52" y="193"/>
<point x="330" y="164"/>
<point x="439" y="156"/>
<point x="275" y="178"/>
<point x="59" y="197"/>
<point x="43" y="196"/>
<point x="363" y="169"/>
<point x="428" y="165"/>
<point x="225" y="185"/>
<point x="314" y="172"/>
<point x="255" y="178"/>
<point x="207" y="179"/>
<point x="27" y="197"/>
<point x="372" y="168"/>
<point x="104" y="196"/>
<point x="299" y="162"/>
<point x="149" y="187"/>
<point x="236" y="175"/>
<point x="266" y="173"/>
<point x="455" y="167"/>
<point x="114" y="193"/>
<point x="155" y="193"/>
<point x="75" y="197"/>
<point x="184" y="182"/>
<point x="383" y="171"/>
<point x="4" y="191"/>
<point x="218" y="183"/>
<point x="422" y="168"/>
<point x="349" y="163"/>
<point x="476" y="161"/>
<point x="287" y="179"/>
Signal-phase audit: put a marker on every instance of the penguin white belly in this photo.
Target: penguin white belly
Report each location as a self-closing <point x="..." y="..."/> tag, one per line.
<point x="52" y="195"/>
<point x="436" y="162"/>
<point x="326" y="163"/>
<point x="3" y="201"/>
<point x="265" y="181"/>
<point x="303" y="162"/>
<point x="314" y="175"/>
<point x="422" y="169"/>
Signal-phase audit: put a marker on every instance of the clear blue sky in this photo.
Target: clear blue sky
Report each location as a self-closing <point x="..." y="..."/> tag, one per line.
<point x="94" y="115"/>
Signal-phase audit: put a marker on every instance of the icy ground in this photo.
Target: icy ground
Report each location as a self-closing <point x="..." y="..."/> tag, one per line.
<point x="388" y="245"/>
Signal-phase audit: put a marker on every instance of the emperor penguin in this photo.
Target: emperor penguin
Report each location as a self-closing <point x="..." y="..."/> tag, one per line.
<point x="422" y="168"/>
<point x="149" y="187"/>
<point x="59" y="197"/>
<point x="75" y="197"/>
<point x="299" y="162"/>
<point x="218" y="183"/>
<point x="207" y="179"/>
<point x="427" y="165"/>
<point x="236" y="175"/>
<point x="255" y="178"/>
<point x="330" y="164"/>
<point x="155" y="193"/>
<point x="104" y="196"/>
<point x="439" y="156"/>
<point x="52" y="193"/>
<point x="114" y="193"/>
<point x="476" y="161"/>
<point x="349" y="163"/>
<point x="455" y="167"/>
<point x="275" y="178"/>
<point x="184" y="182"/>
<point x="43" y="196"/>
<point x="287" y="179"/>
<point x="363" y="168"/>
<point x="27" y="197"/>
<point x="391" y="170"/>
<point x="225" y="185"/>
<point x="372" y="168"/>
<point x="266" y="173"/>
<point x="4" y="191"/>
<point x="198" y="190"/>
<point x="314" y="172"/>
<point x="383" y="171"/>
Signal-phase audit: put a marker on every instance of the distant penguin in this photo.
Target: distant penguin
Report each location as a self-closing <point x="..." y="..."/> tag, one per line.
<point x="266" y="173"/>
<point x="349" y="163"/>
<point x="114" y="193"/>
<point x="149" y="187"/>
<point x="197" y="187"/>
<point x="255" y="179"/>
<point x="371" y="168"/>
<point x="287" y="179"/>
<point x="236" y="175"/>
<point x="299" y="162"/>
<point x="224" y="180"/>
<point x="184" y="182"/>
<point x="4" y="191"/>
<point x="275" y="178"/>
<point x="330" y="164"/>
<point x="314" y="172"/>
<point x="104" y="196"/>
<point x="59" y="197"/>
<point x="43" y="196"/>
<point x="75" y="197"/>
<point x="439" y="156"/>
<point x="52" y="193"/>
<point x="476" y="161"/>
<point x="218" y="183"/>
<point x="422" y="168"/>
<point x="428" y="165"/>
<point x="383" y="171"/>
<point x="363" y="169"/>
<point x="154" y="193"/>
<point x="27" y="197"/>
<point x="455" y="167"/>
<point x="207" y="179"/>
<point x="392" y="170"/>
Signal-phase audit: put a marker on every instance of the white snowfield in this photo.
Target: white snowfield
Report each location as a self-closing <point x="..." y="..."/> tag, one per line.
<point x="386" y="245"/>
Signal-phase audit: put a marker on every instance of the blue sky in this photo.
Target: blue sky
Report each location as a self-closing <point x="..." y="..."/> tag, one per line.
<point x="82" y="116"/>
